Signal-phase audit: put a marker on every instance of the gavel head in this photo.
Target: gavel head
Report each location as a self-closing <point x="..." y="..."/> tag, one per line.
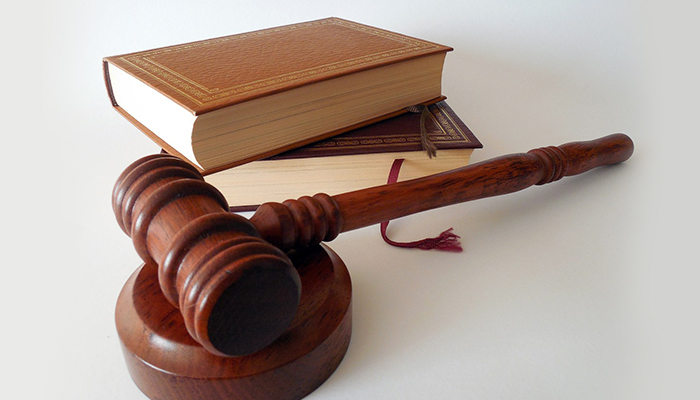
<point x="236" y="292"/>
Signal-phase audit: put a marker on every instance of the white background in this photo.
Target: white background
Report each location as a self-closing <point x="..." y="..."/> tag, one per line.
<point x="582" y="289"/>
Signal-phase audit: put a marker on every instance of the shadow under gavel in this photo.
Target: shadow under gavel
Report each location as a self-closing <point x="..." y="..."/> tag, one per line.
<point x="230" y="277"/>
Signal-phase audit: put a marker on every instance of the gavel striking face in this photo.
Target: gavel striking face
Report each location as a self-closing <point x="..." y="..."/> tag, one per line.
<point x="230" y="277"/>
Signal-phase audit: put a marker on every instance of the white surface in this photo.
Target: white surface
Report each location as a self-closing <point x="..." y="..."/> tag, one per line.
<point x="582" y="289"/>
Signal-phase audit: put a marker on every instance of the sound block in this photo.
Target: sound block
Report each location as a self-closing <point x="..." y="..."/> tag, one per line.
<point x="167" y="364"/>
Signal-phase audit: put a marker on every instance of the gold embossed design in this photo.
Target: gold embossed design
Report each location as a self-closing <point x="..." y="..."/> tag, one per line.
<point x="447" y="125"/>
<point x="444" y="129"/>
<point x="164" y="64"/>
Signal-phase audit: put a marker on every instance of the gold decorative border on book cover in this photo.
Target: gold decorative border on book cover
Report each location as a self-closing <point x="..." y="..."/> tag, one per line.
<point x="449" y="131"/>
<point x="201" y="95"/>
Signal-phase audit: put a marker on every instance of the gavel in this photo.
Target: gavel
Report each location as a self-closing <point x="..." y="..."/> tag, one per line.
<point x="231" y="277"/>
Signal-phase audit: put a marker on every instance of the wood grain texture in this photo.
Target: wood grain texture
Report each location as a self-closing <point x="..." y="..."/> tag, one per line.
<point x="166" y="363"/>
<point x="286" y="225"/>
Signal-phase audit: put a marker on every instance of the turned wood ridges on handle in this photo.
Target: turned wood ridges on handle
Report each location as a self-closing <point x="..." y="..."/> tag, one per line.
<point x="230" y="277"/>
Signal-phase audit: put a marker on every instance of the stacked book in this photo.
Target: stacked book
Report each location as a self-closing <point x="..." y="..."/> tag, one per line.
<point x="321" y="106"/>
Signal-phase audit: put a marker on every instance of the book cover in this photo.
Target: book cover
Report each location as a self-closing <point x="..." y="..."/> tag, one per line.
<point x="445" y="130"/>
<point x="211" y="74"/>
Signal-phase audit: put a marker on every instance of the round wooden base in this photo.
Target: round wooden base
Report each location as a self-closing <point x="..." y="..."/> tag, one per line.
<point x="167" y="364"/>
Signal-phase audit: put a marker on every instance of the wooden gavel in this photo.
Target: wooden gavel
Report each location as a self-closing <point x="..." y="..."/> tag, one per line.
<point x="230" y="277"/>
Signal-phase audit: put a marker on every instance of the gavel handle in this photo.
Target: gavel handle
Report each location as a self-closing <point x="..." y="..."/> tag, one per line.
<point x="498" y="176"/>
<point x="495" y="177"/>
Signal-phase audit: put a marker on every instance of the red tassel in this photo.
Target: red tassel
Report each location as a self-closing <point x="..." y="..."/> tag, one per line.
<point x="447" y="241"/>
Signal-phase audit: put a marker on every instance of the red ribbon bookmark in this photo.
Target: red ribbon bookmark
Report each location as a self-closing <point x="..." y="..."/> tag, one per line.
<point x="446" y="241"/>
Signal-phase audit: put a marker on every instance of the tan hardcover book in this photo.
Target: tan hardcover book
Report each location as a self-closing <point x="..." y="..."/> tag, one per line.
<point x="354" y="160"/>
<point x="230" y="100"/>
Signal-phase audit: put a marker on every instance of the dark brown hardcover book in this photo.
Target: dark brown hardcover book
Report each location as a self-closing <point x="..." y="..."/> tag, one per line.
<point x="444" y="129"/>
<point x="354" y="160"/>
<point x="230" y="100"/>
